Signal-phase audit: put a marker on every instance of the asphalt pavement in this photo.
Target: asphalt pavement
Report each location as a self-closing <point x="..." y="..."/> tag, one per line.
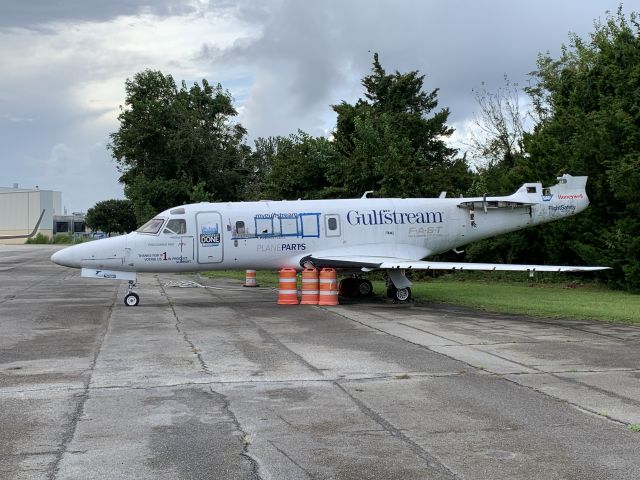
<point x="221" y="382"/>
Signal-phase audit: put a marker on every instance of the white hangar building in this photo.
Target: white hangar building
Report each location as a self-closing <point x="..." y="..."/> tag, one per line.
<point x="20" y="209"/>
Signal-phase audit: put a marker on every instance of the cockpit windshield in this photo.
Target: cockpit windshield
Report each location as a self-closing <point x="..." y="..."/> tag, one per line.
<point x="176" y="226"/>
<point x="152" y="227"/>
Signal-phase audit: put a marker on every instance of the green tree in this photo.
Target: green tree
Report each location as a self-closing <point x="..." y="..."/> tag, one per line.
<point x="502" y="166"/>
<point x="589" y="109"/>
<point x="393" y="142"/>
<point x="497" y="145"/>
<point x="587" y="122"/>
<point x="292" y="167"/>
<point x="177" y="145"/>
<point x="112" y="216"/>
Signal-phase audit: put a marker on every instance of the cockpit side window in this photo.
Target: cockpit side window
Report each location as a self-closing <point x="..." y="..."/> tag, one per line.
<point x="152" y="227"/>
<point x="176" y="226"/>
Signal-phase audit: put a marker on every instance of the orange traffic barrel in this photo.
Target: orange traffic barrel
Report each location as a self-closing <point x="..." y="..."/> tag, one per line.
<point x="250" y="279"/>
<point x="328" y="287"/>
<point x="309" y="287"/>
<point x="288" y="288"/>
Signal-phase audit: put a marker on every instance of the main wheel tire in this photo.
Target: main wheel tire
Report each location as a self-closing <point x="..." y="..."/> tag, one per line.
<point x="131" y="299"/>
<point x="403" y="294"/>
<point x="348" y="287"/>
<point x="365" y="287"/>
<point x="399" y="294"/>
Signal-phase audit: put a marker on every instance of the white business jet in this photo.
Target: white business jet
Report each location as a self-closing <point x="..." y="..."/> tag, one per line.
<point x="353" y="235"/>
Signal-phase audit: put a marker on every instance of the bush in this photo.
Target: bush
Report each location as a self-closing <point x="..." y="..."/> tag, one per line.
<point x="39" y="239"/>
<point x="62" y="238"/>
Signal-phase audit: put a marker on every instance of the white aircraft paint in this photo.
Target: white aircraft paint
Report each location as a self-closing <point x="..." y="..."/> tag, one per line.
<point x="363" y="234"/>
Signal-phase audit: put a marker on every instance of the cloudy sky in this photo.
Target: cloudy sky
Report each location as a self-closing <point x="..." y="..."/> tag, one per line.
<point x="63" y="65"/>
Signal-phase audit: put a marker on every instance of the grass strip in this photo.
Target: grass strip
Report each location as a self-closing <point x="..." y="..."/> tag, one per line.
<point x="553" y="300"/>
<point x="585" y="302"/>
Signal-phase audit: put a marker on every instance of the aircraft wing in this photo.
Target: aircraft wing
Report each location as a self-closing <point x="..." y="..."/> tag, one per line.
<point x="370" y="263"/>
<point x="506" y="267"/>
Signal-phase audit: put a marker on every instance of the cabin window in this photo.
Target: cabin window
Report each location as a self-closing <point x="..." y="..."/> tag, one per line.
<point x="532" y="190"/>
<point x="152" y="227"/>
<point x="264" y="225"/>
<point x="176" y="226"/>
<point x="332" y="225"/>
<point x="310" y="225"/>
<point x="289" y="225"/>
<point x="241" y="229"/>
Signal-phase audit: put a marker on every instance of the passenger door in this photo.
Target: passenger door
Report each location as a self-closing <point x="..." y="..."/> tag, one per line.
<point x="209" y="237"/>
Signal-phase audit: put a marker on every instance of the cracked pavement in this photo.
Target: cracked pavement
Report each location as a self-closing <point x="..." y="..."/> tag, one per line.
<point x="223" y="383"/>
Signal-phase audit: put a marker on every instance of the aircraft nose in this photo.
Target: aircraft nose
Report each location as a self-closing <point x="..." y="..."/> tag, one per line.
<point x="66" y="258"/>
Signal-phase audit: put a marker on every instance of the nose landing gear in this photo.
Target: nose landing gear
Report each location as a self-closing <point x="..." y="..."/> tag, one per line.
<point x="131" y="299"/>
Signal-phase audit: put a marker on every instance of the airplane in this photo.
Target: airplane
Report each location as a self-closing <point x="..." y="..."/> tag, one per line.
<point x="352" y="235"/>
<point x="25" y="235"/>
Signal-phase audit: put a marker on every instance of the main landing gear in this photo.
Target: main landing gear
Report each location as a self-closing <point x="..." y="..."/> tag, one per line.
<point x="360" y="287"/>
<point x="355" y="287"/>
<point x="399" y="294"/>
<point x="131" y="299"/>
<point x="398" y="285"/>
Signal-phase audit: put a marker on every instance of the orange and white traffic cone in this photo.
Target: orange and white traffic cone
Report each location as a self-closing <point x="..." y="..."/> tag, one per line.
<point x="309" y="287"/>
<point x="328" y="287"/>
<point x="288" y="287"/>
<point x="250" y="279"/>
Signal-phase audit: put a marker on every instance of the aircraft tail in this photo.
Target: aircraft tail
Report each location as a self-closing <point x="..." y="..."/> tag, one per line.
<point x="567" y="197"/>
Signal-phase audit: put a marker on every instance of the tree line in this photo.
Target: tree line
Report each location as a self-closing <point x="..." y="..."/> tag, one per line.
<point x="181" y="144"/>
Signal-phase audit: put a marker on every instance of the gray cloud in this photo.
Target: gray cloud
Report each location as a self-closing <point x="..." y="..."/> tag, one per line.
<point x="38" y="12"/>
<point x="285" y="61"/>
<point x="309" y="56"/>
<point x="14" y="119"/>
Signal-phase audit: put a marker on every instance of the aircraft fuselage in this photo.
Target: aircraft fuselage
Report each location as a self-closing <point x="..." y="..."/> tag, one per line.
<point x="277" y="234"/>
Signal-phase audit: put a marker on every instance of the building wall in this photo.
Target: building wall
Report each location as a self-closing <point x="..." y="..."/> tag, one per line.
<point x="21" y="208"/>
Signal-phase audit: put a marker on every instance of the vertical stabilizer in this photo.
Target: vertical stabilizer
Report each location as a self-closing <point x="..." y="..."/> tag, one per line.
<point x="567" y="197"/>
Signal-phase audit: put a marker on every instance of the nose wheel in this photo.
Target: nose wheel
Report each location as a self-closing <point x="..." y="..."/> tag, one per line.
<point x="131" y="299"/>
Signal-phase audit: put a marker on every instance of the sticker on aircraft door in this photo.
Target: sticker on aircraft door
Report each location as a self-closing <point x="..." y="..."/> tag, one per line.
<point x="209" y="235"/>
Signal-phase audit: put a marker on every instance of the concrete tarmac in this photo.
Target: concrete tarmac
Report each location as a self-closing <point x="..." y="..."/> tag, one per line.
<point x="199" y="383"/>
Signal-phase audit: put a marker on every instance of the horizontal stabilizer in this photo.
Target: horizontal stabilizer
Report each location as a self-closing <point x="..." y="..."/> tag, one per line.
<point x="489" y="204"/>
